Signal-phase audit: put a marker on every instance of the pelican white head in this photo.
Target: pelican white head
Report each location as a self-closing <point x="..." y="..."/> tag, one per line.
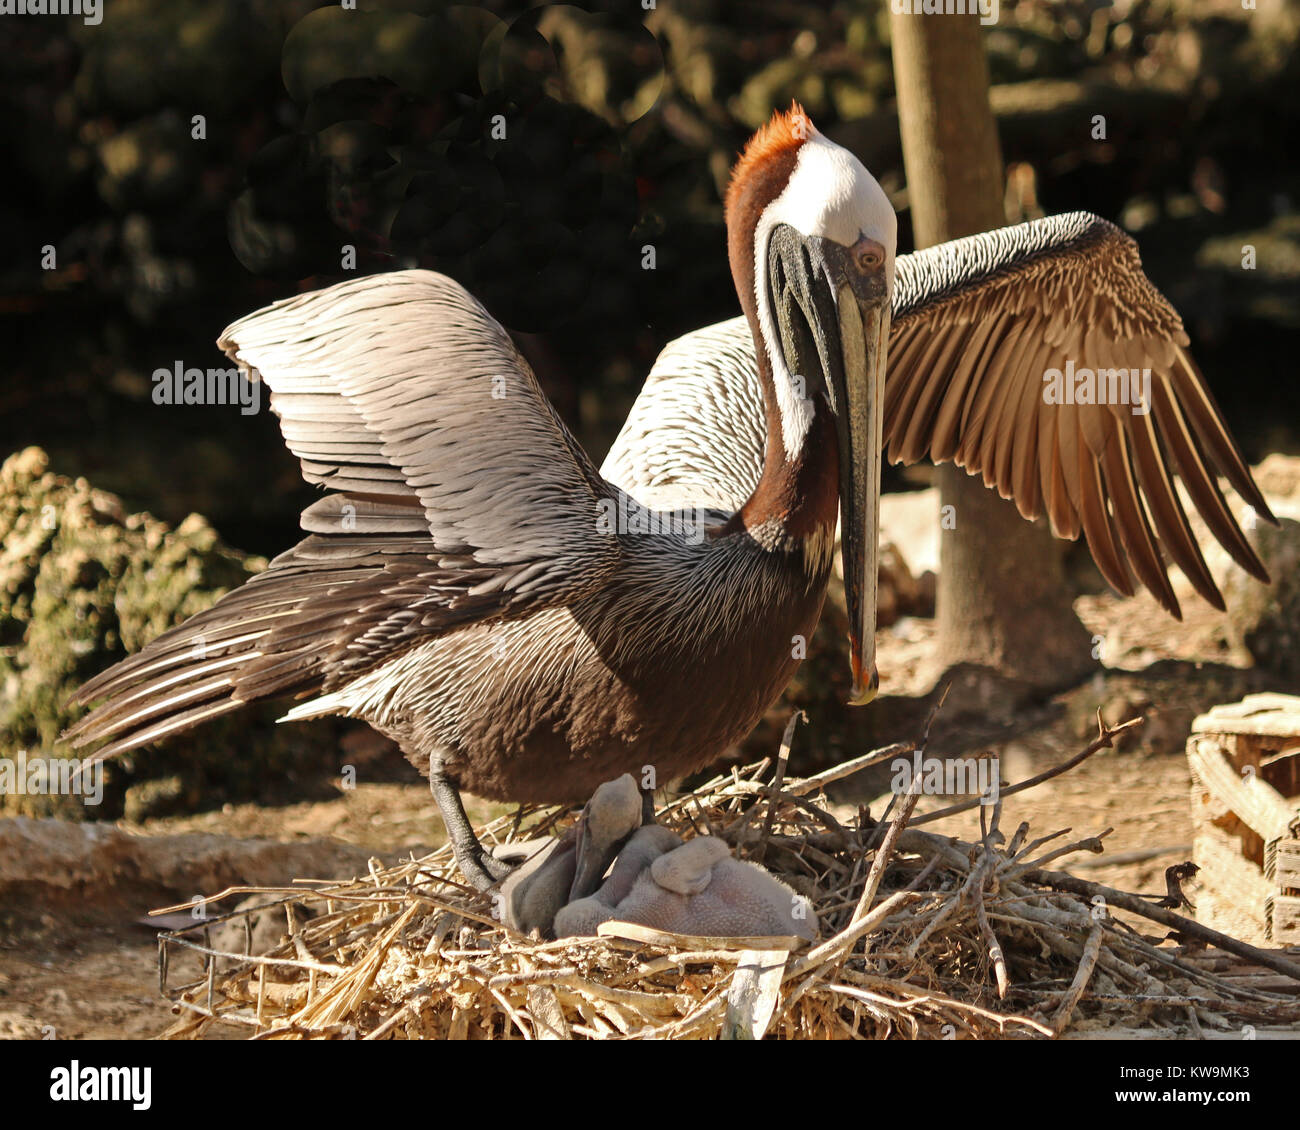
<point x="816" y="234"/>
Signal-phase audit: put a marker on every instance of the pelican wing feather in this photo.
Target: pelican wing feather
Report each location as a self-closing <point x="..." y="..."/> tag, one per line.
<point x="1041" y="358"/>
<point x="457" y="494"/>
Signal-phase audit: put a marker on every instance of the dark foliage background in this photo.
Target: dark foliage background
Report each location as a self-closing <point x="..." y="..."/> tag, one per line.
<point x="326" y="128"/>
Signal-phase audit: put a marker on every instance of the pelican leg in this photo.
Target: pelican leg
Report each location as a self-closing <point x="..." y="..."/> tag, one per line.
<point x="647" y="807"/>
<point x="477" y="865"/>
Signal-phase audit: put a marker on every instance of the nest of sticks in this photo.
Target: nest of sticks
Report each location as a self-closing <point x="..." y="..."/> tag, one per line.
<point x="925" y="936"/>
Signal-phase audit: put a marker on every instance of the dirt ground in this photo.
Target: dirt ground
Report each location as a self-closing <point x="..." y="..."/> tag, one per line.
<point x="72" y="967"/>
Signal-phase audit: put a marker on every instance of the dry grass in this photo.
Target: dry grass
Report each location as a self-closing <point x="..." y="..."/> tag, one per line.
<point x="925" y="937"/>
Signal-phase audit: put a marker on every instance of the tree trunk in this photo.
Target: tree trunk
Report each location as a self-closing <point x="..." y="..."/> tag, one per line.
<point x="1002" y="597"/>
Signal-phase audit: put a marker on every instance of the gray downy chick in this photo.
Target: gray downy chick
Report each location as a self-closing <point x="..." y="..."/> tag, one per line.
<point x="574" y="865"/>
<point x="699" y="888"/>
<point x="581" y="917"/>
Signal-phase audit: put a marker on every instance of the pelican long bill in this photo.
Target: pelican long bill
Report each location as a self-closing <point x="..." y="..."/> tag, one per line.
<point x="831" y="304"/>
<point x="864" y="338"/>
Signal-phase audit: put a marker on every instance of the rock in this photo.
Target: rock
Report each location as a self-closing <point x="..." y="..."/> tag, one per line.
<point x="42" y="861"/>
<point x="1169" y="694"/>
<point x="910" y="521"/>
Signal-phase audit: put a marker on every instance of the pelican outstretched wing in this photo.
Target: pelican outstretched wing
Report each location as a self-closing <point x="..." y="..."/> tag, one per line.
<point x="457" y="494"/>
<point x="977" y="323"/>
<point x="993" y="338"/>
<point x="402" y="389"/>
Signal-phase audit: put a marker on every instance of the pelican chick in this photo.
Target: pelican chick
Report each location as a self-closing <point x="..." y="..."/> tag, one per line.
<point x="552" y="874"/>
<point x="581" y="917"/>
<point x="699" y="888"/>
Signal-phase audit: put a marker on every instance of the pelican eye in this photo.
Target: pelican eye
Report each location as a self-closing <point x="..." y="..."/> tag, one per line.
<point x="869" y="258"/>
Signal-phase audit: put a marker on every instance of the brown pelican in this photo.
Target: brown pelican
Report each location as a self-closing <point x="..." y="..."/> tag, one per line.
<point x="471" y="588"/>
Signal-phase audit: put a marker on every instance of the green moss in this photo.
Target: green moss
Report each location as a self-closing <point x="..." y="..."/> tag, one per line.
<point x="84" y="584"/>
